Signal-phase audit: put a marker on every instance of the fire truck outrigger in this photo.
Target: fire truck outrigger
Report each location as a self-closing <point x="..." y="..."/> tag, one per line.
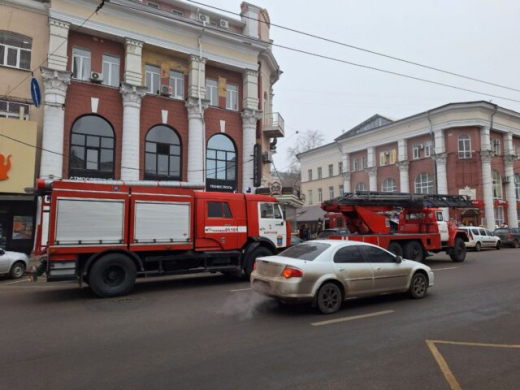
<point x="107" y="233"/>
<point x="409" y="225"/>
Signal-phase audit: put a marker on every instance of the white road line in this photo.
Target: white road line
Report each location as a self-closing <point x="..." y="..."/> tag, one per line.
<point x="17" y="281"/>
<point x="443" y="269"/>
<point x="241" y="289"/>
<point x="351" y="318"/>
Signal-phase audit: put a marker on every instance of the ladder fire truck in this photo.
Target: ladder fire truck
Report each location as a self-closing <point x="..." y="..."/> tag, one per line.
<point x="409" y="225"/>
<point x="107" y="233"/>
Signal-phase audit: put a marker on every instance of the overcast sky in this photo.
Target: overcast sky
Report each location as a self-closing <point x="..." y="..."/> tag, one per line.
<point x="480" y="39"/>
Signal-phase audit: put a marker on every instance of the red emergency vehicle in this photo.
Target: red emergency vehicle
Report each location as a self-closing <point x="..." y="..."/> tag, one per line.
<point x="409" y="225"/>
<point x="107" y="233"/>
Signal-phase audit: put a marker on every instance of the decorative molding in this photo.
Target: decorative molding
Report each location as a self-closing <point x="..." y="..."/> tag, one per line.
<point x="133" y="42"/>
<point x="440" y="158"/>
<point x="509" y="159"/>
<point x="347" y="175"/>
<point x="132" y="95"/>
<point x="250" y="117"/>
<point x="56" y="83"/>
<point x="58" y="23"/>
<point x="486" y="156"/>
<point x="403" y="165"/>
<point x="194" y="111"/>
<point x="197" y="58"/>
<point x="372" y="171"/>
<point x="249" y="72"/>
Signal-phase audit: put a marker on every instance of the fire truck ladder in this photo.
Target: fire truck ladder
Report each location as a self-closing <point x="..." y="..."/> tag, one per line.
<point x="400" y="199"/>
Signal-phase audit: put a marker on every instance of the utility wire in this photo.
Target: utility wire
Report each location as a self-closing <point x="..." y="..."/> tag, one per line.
<point x="361" y="49"/>
<point x="55" y="50"/>
<point x="212" y="28"/>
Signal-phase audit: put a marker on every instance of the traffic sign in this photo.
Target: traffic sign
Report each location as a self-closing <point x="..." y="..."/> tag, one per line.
<point x="35" y="92"/>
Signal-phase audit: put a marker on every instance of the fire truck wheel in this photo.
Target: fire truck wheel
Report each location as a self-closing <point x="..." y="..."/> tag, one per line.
<point x="458" y="252"/>
<point x="258" y="252"/>
<point x="413" y="250"/>
<point x="418" y="286"/>
<point x="396" y="249"/>
<point x="112" y="275"/>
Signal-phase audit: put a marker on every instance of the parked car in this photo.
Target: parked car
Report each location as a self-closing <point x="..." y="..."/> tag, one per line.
<point x="13" y="264"/>
<point x="327" y="272"/>
<point x="508" y="236"/>
<point x="480" y="238"/>
<point x="326" y="233"/>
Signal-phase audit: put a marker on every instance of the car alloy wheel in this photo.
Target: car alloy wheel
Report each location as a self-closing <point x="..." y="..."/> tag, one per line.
<point x="418" y="286"/>
<point x="329" y="298"/>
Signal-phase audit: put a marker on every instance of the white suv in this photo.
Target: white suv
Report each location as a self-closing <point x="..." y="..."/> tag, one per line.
<point x="481" y="238"/>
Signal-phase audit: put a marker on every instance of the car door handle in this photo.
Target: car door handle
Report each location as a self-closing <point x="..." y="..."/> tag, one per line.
<point x="342" y="269"/>
<point x="378" y="268"/>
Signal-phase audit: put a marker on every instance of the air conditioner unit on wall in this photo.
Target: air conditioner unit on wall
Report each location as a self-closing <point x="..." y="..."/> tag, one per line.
<point x="420" y="146"/>
<point x="267" y="157"/>
<point x="96" y="77"/>
<point x="224" y="23"/>
<point x="166" y="90"/>
<point x="204" y="18"/>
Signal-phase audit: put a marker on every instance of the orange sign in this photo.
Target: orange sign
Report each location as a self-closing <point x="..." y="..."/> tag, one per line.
<point x="4" y="166"/>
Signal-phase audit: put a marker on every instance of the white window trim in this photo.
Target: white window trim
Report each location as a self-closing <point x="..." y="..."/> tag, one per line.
<point x="18" y="56"/>
<point x="341" y="190"/>
<point x="310" y="197"/>
<point x="495" y="144"/>
<point x="232" y="97"/>
<point x="465" y="151"/>
<point x="81" y="63"/>
<point x="150" y="89"/>
<point x="177" y="80"/>
<point x="320" y="173"/>
<point x="107" y="79"/>
<point x="331" y="193"/>
<point x="355" y="164"/>
<point x="309" y="174"/>
<point x="499" y="215"/>
<point x="389" y="185"/>
<point x="153" y="4"/>
<point x="364" y="162"/>
<point x="331" y="170"/>
<point x="497" y="185"/>
<point x="320" y="195"/>
<point x="416" y="152"/>
<point x="209" y="89"/>
<point x="16" y="115"/>
<point x="428" y="148"/>
<point x="361" y="187"/>
<point x="420" y="184"/>
<point x="340" y="167"/>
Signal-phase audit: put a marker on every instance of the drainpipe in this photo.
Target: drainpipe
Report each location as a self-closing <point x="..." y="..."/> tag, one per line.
<point x="434" y="152"/>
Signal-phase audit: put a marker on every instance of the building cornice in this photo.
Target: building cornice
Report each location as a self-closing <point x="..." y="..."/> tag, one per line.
<point x="39" y="7"/>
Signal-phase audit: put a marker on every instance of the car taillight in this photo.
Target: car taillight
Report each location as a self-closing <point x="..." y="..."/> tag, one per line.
<point x="510" y="235"/>
<point x="254" y="266"/>
<point x="292" y="272"/>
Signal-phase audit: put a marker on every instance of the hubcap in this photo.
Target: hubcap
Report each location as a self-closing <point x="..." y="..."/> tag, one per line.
<point x="18" y="271"/>
<point x="419" y="286"/>
<point x="330" y="298"/>
<point x="113" y="276"/>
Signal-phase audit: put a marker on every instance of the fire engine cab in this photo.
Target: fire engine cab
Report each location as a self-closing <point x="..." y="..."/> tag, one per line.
<point x="106" y="234"/>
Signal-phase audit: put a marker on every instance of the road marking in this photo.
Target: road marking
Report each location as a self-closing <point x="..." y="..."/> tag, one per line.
<point x="450" y="378"/>
<point x="351" y="318"/>
<point x="443" y="269"/>
<point x="17" y="281"/>
<point x="241" y="289"/>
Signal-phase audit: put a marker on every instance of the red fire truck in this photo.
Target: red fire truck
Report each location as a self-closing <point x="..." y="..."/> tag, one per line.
<point x="409" y="225"/>
<point x="106" y="234"/>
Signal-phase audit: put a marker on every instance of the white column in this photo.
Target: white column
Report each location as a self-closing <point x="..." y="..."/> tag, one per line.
<point x="250" y="90"/>
<point x="442" y="178"/>
<point x="132" y="96"/>
<point x="56" y="83"/>
<point x="346" y="173"/>
<point x="403" y="176"/>
<point x="402" y="150"/>
<point x="196" y="140"/>
<point x="133" y="62"/>
<point x="440" y="145"/>
<point x="249" y="120"/>
<point x="58" y="35"/>
<point x="371" y="160"/>
<point x="512" y="217"/>
<point x="197" y="78"/>
<point x="487" y="179"/>
<point x="372" y="179"/>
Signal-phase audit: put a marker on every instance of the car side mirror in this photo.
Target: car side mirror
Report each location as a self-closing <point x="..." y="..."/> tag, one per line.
<point x="2" y="251"/>
<point x="398" y="259"/>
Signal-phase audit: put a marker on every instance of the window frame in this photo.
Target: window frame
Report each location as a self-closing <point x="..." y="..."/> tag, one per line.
<point x="82" y="59"/>
<point x="226" y="161"/>
<point x="309" y="193"/>
<point x="18" y="49"/>
<point x="309" y="174"/>
<point x="331" y="170"/>
<point x="497" y="185"/>
<point x="320" y="195"/>
<point x="7" y="113"/>
<point x="340" y="168"/>
<point x="355" y="163"/>
<point x="148" y="175"/>
<point x="464" y="153"/>
<point x="341" y="190"/>
<point x="364" y="162"/>
<point x="212" y="92"/>
<point x="420" y="185"/>
<point x="149" y="70"/>
<point x="107" y="79"/>
<point x="517" y="186"/>
<point x="428" y="146"/>
<point x="416" y="152"/>
<point x="361" y="184"/>
<point x="496" y="146"/>
<point x="386" y="183"/>
<point x="177" y="77"/>
<point x="331" y="192"/>
<point x="232" y="97"/>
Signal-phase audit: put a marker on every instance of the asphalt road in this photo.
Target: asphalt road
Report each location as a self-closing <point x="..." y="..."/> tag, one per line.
<point x="212" y="332"/>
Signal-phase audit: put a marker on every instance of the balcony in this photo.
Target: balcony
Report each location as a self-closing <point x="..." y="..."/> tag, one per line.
<point x="273" y="125"/>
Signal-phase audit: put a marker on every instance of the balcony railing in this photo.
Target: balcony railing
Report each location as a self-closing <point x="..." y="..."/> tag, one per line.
<point x="274" y="126"/>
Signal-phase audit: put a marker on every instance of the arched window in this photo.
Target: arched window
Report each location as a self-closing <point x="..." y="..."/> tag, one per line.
<point x="497" y="185"/>
<point x="424" y="184"/>
<point x="91" y="148"/>
<point x="464" y="146"/>
<point x="221" y="163"/>
<point x="163" y="154"/>
<point x="517" y="186"/>
<point x="361" y="187"/>
<point x="389" y="185"/>
<point x="15" y="50"/>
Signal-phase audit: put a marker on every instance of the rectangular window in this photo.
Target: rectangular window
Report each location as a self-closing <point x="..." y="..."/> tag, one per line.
<point x="428" y="146"/>
<point x="382" y="158"/>
<point x="153" y="5"/>
<point x="495" y="144"/>
<point x="15" y="50"/>
<point x="10" y="109"/>
<point x="212" y="92"/>
<point x="309" y="201"/>
<point x="499" y="215"/>
<point x="177" y="84"/>
<point x="364" y="162"/>
<point x="416" y="152"/>
<point x="319" y="173"/>
<point x="340" y="167"/>
<point x="320" y="195"/>
<point x="177" y="12"/>
<point x="232" y="97"/>
<point x="218" y="210"/>
<point x="341" y="191"/>
<point x="356" y="164"/>
<point x="331" y="170"/>
<point x="266" y="211"/>
<point x="393" y="156"/>
<point x="309" y="174"/>
<point x="331" y="193"/>
<point x="110" y="70"/>
<point x="153" y="79"/>
<point x="81" y="64"/>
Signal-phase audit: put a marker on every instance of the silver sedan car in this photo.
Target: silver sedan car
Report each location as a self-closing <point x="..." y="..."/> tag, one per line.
<point x="13" y="264"/>
<point x="327" y="272"/>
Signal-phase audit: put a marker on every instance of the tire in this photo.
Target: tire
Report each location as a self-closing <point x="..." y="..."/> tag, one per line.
<point x="478" y="247"/>
<point x="458" y="252"/>
<point x="516" y="243"/>
<point x="17" y="270"/>
<point x="112" y="275"/>
<point x="413" y="250"/>
<point x="498" y="246"/>
<point x="396" y="249"/>
<point x="418" y="286"/>
<point x="329" y="298"/>
<point x="260" y="251"/>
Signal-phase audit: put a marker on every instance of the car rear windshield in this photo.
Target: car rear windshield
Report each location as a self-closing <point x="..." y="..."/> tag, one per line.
<point x="306" y="251"/>
<point x="501" y="231"/>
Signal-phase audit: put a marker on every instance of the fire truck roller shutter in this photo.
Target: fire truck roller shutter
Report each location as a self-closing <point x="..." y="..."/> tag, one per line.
<point x="157" y="222"/>
<point x="78" y="221"/>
